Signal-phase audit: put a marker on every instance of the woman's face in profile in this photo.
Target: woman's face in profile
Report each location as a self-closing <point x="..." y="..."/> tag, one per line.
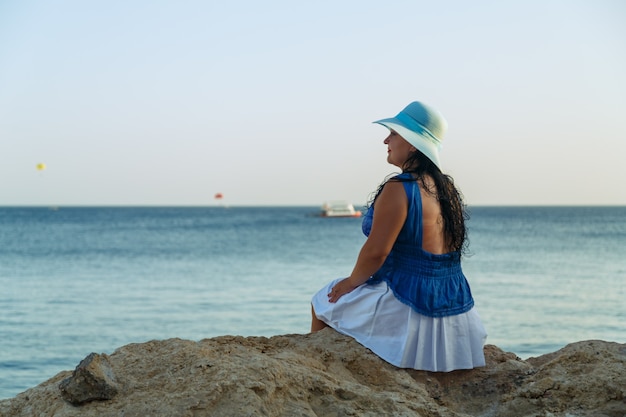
<point x="398" y="149"/>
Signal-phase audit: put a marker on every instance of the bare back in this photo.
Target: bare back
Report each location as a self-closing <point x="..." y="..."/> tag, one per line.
<point x="433" y="239"/>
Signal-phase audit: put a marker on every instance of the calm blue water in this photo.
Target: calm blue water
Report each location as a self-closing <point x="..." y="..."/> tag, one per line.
<point x="81" y="280"/>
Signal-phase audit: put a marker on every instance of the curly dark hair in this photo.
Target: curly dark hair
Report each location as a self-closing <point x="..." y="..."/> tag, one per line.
<point x="453" y="208"/>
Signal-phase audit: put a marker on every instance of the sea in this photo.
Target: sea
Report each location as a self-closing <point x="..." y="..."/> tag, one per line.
<point x="76" y="280"/>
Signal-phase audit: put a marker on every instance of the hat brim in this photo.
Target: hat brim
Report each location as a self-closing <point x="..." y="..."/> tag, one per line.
<point x="421" y="140"/>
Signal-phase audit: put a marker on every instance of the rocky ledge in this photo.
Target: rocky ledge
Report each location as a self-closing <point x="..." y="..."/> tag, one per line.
<point x="324" y="374"/>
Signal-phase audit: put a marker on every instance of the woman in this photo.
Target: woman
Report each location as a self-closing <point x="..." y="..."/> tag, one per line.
<point x="407" y="298"/>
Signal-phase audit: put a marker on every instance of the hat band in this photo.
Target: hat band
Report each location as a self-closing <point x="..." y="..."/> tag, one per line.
<point x="417" y="127"/>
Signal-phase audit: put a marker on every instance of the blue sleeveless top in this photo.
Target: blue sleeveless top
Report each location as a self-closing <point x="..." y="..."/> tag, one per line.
<point x="433" y="285"/>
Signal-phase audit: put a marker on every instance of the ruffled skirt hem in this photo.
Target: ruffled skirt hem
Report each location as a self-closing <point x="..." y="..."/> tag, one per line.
<point x="375" y="318"/>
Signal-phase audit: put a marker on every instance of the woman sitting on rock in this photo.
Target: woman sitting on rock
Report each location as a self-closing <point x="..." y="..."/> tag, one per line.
<point x="407" y="298"/>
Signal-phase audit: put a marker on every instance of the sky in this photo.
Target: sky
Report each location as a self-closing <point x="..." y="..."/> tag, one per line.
<point x="141" y="103"/>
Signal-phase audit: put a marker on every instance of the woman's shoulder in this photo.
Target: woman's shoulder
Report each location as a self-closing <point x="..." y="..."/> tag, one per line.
<point x="392" y="188"/>
<point x="392" y="196"/>
<point x="404" y="176"/>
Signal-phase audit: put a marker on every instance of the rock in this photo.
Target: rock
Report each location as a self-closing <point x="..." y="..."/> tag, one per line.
<point x="92" y="380"/>
<point x="328" y="374"/>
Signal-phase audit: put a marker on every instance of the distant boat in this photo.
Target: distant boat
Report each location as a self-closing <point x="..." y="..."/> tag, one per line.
<point x="339" y="209"/>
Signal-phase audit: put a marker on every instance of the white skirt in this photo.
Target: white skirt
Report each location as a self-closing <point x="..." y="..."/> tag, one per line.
<point x="395" y="332"/>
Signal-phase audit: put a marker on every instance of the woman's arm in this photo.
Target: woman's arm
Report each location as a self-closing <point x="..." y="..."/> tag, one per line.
<point x="389" y="216"/>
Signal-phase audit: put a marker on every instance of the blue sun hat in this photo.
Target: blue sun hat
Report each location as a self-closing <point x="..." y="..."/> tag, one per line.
<point x="421" y="126"/>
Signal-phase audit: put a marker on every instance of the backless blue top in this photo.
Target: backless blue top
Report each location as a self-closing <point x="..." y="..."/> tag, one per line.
<point x="432" y="284"/>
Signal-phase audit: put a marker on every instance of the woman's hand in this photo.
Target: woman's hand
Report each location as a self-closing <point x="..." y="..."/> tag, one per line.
<point x="341" y="288"/>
